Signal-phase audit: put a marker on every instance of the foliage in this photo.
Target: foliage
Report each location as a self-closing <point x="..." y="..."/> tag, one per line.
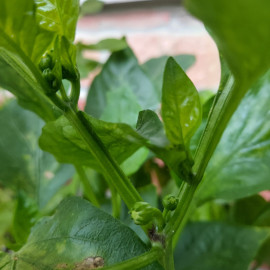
<point x="77" y="186"/>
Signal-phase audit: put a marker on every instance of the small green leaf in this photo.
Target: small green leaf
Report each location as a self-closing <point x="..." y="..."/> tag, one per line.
<point x="240" y="164"/>
<point x="91" y="7"/>
<point x="58" y="16"/>
<point x="108" y="44"/>
<point x="154" y="69"/>
<point x="150" y="127"/>
<point x="77" y="231"/>
<point x="241" y="31"/>
<point x="181" y="109"/>
<point x="218" y="246"/>
<point x="122" y="74"/>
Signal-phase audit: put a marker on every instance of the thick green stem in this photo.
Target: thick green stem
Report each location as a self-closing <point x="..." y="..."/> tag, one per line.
<point x="90" y="195"/>
<point x="109" y="167"/>
<point x="168" y="257"/>
<point x="137" y="262"/>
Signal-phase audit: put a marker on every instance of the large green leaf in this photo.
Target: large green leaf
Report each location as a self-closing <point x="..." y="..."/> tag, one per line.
<point x="253" y="210"/>
<point x="23" y="166"/>
<point x="241" y="31"/>
<point x="22" y="44"/>
<point x="64" y="142"/>
<point x="154" y="69"/>
<point x="58" y="16"/>
<point x="240" y="164"/>
<point x="76" y="232"/>
<point x="181" y="108"/>
<point x="208" y="246"/>
<point x="123" y="80"/>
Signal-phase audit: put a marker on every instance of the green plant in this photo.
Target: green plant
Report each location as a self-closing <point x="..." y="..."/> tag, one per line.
<point x="216" y="147"/>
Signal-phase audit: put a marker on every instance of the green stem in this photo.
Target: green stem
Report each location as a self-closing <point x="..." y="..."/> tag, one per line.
<point x="63" y="93"/>
<point x="223" y="109"/>
<point x="111" y="170"/>
<point x="75" y="92"/>
<point x="137" y="262"/>
<point x="168" y="257"/>
<point x="116" y="203"/>
<point x="90" y="195"/>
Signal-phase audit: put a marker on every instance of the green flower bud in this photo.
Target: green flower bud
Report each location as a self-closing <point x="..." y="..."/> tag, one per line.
<point x="48" y="75"/>
<point x="143" y="213"/>
<point x="46" y="62"/>
<point x="170" y="202"/>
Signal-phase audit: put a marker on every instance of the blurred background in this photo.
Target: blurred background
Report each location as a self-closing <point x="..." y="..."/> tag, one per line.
<point x="152" y="28"/>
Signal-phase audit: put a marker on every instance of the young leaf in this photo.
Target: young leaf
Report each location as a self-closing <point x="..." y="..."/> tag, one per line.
<point x="181" y="109"/>
<point x="58" y="16"/>
<point x="23" y="166"/>
<point x="150" y="127"/>
<point x="70" y="238"/>
<point x="240" y="164"/>
<point x="218" y="246"/>
<point x="241" y="31"/>
<point x="154" y="69"/>
<point x="121" y="74"/>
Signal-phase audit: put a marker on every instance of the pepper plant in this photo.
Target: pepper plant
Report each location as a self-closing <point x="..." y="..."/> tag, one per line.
<point x="214" y="147"/>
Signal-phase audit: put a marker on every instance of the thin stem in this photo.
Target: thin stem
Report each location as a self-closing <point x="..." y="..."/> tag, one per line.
<point x="137" y="262"/>
<point x="75" y="91"/>
<point x="116" y="203"/>
<point x="90" y="195"/>
<point x="110" y="168"/>
<point x="63" y="93"/>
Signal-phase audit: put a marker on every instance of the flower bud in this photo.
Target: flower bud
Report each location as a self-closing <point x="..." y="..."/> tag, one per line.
<point x="143" y="213"/>
<point x="46" y="62"/>
<point x="170" y="202"/>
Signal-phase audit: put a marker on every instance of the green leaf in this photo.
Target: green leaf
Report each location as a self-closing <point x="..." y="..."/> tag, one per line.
<point x="108" y="44"/>
<point x="154" y="69"/>
<point x="240" y="164"/>
<point x="206" y="106"/>
<point x="218" y="246"/>
<point x="22" y="44"/>
<point x="122" y="107"/>
<point x="151" y="128"/>
<point x="181" y="109"/>
<point x="7" y="205"/>
<point x="134" y="162"/>
<point x="24" y="218"/>
<point x="121" y="76"/>
<point x="78" y="231"/>
<point x="251" y="211"/>
<point x="91" y="7"/>
<point x="23" y="166"/>
<point x="243" y="39"/>
<point x="62" y="140"/>
<point x="58" y="16"/>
